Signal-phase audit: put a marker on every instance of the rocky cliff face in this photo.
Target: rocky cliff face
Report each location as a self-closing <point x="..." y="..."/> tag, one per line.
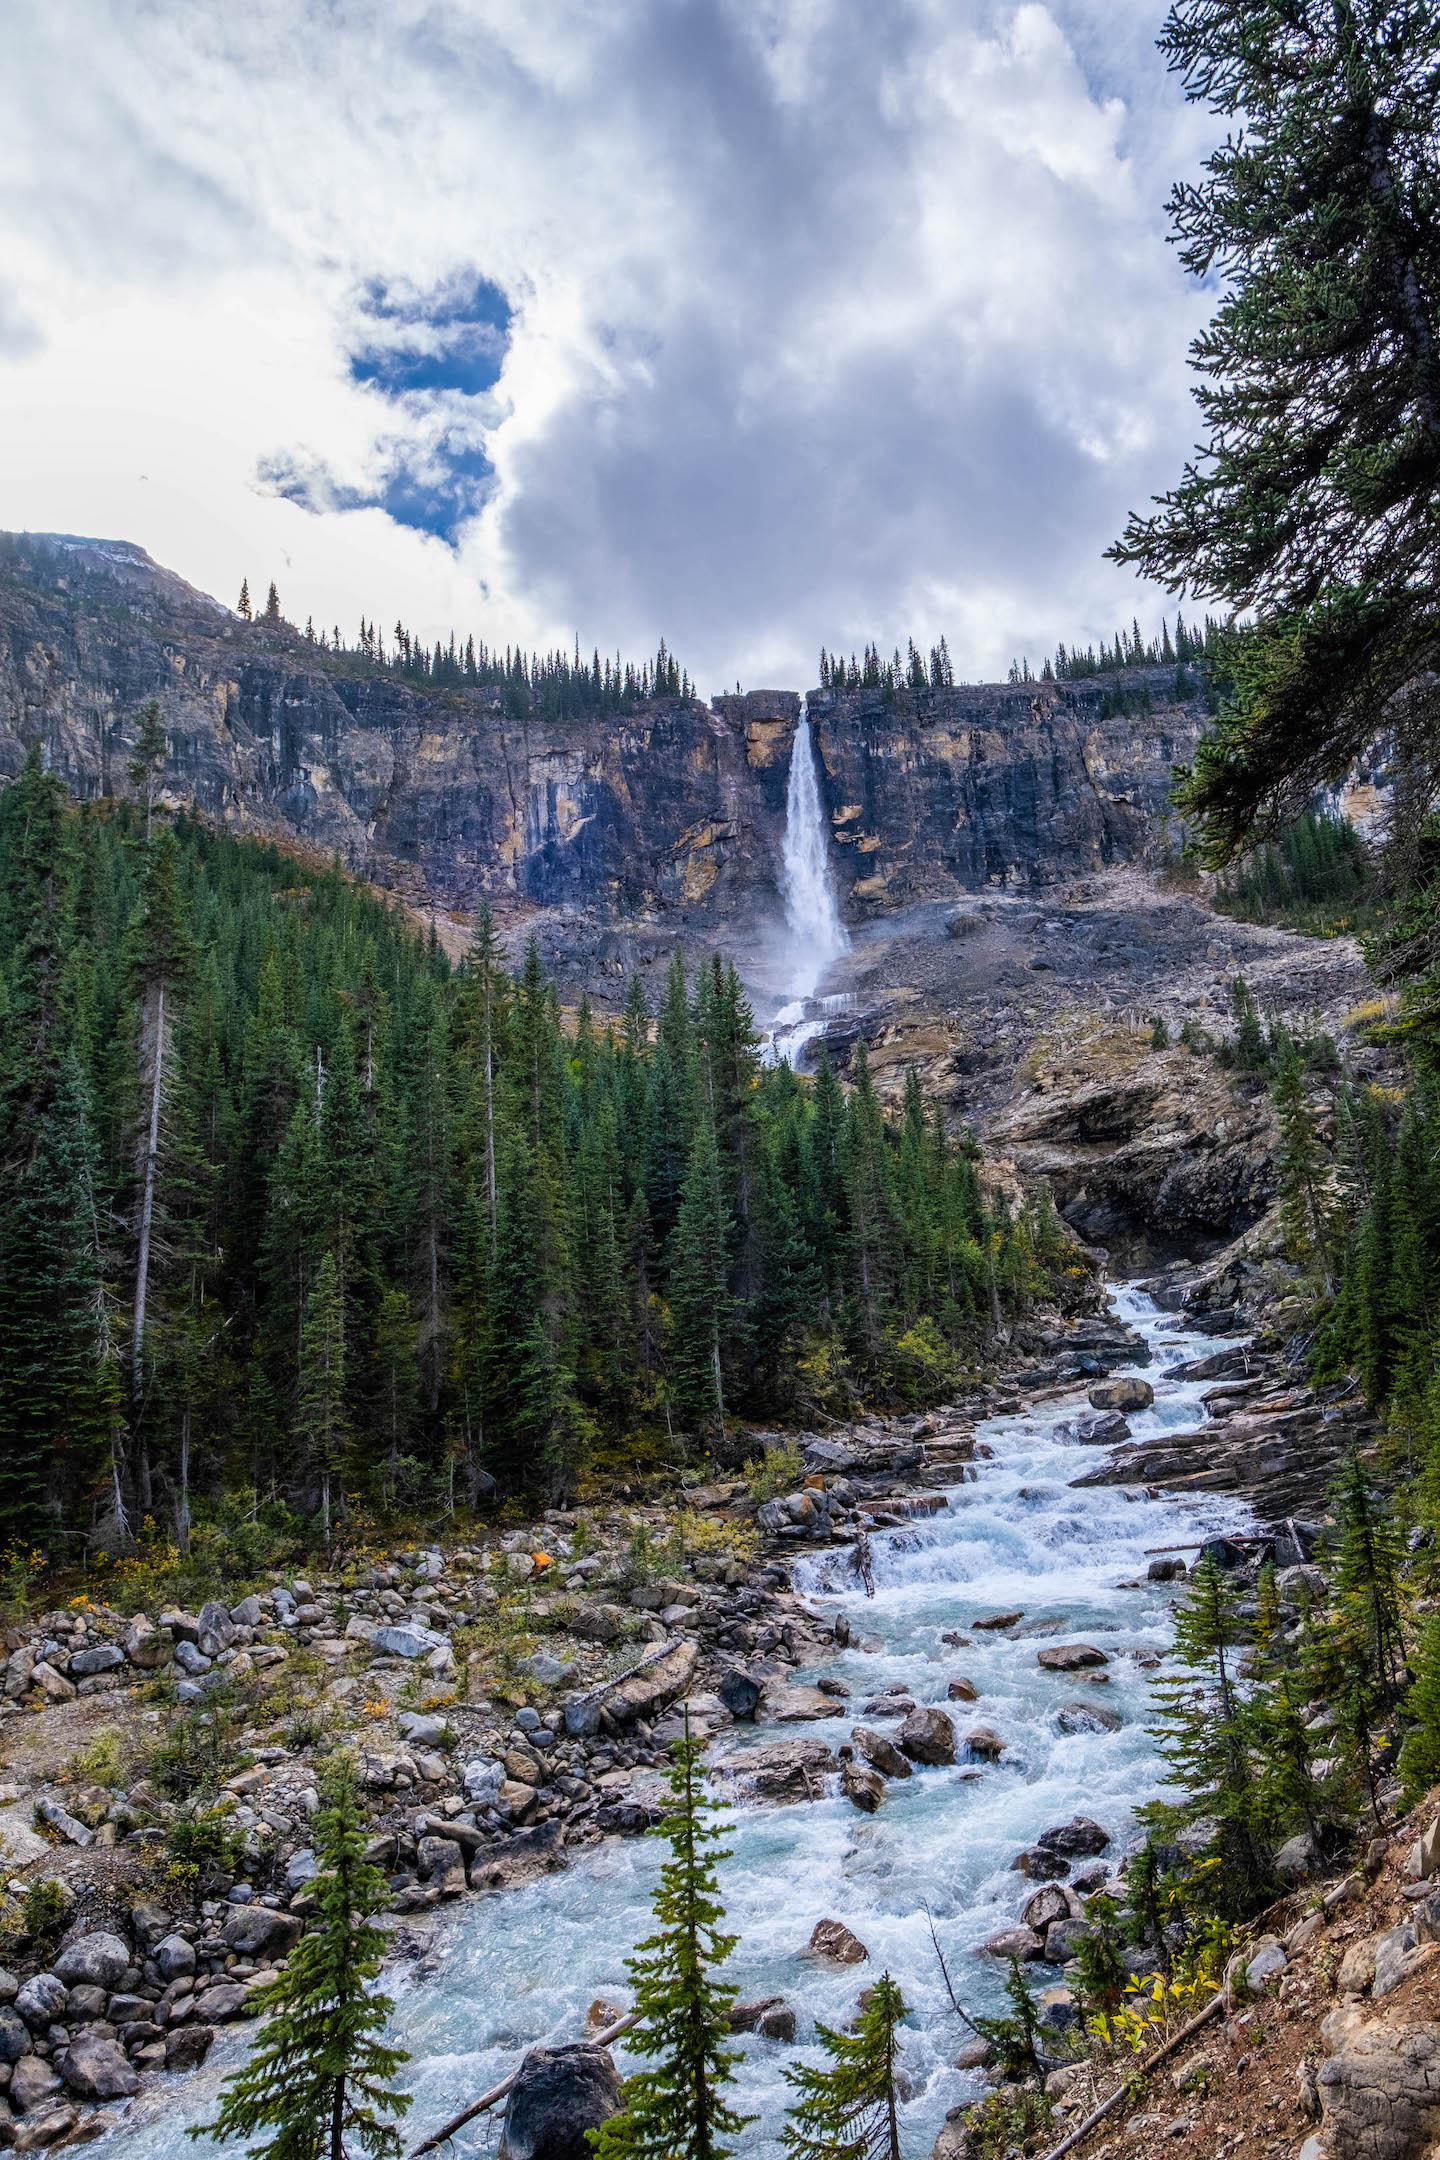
<point x="453" y="795"/>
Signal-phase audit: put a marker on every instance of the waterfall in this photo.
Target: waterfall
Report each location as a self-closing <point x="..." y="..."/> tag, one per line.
<point x="817" y="935"/>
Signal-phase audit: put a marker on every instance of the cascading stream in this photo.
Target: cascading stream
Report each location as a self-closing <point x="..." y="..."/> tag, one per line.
<point x="816" y="936"/>
<point x="523" y="1967"/>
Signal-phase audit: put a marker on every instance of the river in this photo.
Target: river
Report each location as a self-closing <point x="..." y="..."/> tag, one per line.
<point x="524" y="1967"/>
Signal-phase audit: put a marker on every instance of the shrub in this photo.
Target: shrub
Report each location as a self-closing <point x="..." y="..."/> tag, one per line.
<point x="780" y="1472"/>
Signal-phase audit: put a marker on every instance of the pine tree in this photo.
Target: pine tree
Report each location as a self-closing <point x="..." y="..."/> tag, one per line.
<point x="1305" y="1205"/>
<point x="849" y="2111"/>
<point x="272" y="604"/>
<point x="321" y="1424"/>
<point x="1420" y="1750"/>
<point x="699" y="1291"/>
<point x="677" y="2110"/>
<point x="1320" y="387"/>
<point x="318" y="2081"/>
<point x="242" y="605"/>
<point x="1206" y="1732"/>
<point x="147" y="759"/>
<point x="1367" y="1564"/>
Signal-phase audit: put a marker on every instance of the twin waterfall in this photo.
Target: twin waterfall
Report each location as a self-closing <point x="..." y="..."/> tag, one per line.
<point x="816" y="935"/>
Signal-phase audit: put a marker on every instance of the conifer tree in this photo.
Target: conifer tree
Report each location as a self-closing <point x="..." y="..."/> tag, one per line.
<point x="321" y="1423"/>
<point x="272" y="604"/>
<point x="699" y="1292"/>
<point x="849" y="2111"/>
<point x="1206" y="1732"/>
<point x="147" y="759"/>
<point x="1367" y="1562"/>
<point x="1305" y="1207"/>
<point x="677" y="2111"/>
<point x="243" y="607"/>
<point x="318" y="2082"/>
<point x="1420" y="1749"/>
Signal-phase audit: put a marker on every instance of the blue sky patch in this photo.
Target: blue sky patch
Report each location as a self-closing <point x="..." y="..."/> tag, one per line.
<point x="459" y="335"/>
<point x="436" y="490"/>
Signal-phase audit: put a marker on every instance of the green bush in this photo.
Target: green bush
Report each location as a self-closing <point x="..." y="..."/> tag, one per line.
<point x="780" y="1472"/>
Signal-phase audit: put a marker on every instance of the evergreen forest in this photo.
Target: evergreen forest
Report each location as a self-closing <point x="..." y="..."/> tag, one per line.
<point x="296" y="1209"/>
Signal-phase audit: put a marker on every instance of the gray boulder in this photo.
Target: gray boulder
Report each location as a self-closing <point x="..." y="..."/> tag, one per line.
<point x="1123" y="1394"/>
<point x="31" y="2081"/>
<point x="880" y="1753"/>
<point x="187" y="2046"/>
<point x="1080" y="1836"/>
<point x="96" y="1960"/>
<point x="41" y="2001"/>
<point x="175" y="1957"/>
<point x="559" y="2095"/>
<point x="738" y="1692"/>
<point x="104" y="1657"/>
<point x="14" y="2037"/>
<point x="252" y="1929"/>
<point x="408" y="1641"/>
<point x="863" y="1787"/>
<point x="96" y="2069"/>
<point x="248" y="1613"/>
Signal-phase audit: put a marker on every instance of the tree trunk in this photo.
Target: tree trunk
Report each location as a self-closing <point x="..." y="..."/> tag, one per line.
<point x="182" y="1515"/>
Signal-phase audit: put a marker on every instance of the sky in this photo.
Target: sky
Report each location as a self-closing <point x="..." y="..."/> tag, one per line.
<point x="756" y="325"/>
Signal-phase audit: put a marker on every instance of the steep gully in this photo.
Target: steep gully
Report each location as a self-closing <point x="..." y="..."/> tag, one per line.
<point x="1025" y="1531"/>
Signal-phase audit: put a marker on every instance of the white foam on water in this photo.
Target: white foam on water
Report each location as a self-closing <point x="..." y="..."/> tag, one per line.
<point x="523" y="1967"/>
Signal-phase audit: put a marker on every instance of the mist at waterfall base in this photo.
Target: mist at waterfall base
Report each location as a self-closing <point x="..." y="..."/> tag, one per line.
<point x="523" y="1967"/>
<point x="814" y="936"/>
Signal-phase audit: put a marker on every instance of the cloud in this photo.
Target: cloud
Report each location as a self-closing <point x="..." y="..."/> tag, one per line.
<point x="757" y="323"/>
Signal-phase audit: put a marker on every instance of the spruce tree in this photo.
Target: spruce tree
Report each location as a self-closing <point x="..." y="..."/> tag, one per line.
<point x="849" y="2111"/>
<point x="677" y="2111"/>
<point x="1206" y="1732"/>
<point x="1311" y="501"/>
<point x="318" y="2081"/>
<point x="242" y="605"/>
<point x="699" y="1291"/>
<point x="1367" y="1562"/>
<point x="1305" y="1205"/>
<point x="321" y="1424"/>
<point x="147" y="760"/>
<point x="1420" y="1749"/>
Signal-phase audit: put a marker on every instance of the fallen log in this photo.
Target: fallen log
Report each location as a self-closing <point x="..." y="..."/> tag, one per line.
<point x="1123" y="2092"/>
<point x="506" y="2085"/>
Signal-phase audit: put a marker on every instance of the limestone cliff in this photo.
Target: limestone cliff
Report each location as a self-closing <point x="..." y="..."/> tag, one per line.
<point x="675" y="809"/>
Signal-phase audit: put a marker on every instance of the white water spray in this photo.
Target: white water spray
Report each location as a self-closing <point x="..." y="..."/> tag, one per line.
<point x="817" y="936"/>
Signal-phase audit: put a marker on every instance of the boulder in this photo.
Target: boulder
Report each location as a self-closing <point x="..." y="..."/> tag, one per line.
<point x="928" y="1736"/>
<point x="1398" y="1952"/>
<point x="407" y="1641"/>
<point x="863" y="1787"/>
<point x="1040" y="1865"/>
<point x="1096" y="1428"/>
<point x="1121" y="1394"/>
<point x="1357" y="1968"/>
<point x="625" y="1818"/>
<point x="559" y="2095"/>
<point x="1015" y="1942"/>
<point x="800" y="1705"/>
<point x="1296" y="1857"/>
<point x="655" y="1685"/>
<point x="31" y="2081"/>
<point x="999" y="1620"/>
<point x="880" y="1753"/>
<point x="102" y="1657"/>
<point x="96" y="1960"/>
<point x="187" y="2046"/>
<point x="221" y="2001"/>
<point x="771" y="2017"/>
<point x="1165" y="1570"/>
<point x="738" y="1692"/>
<point x="255" y="1930"/>
<point x="1080" y="1836"/>
<point x="1062" y="1938"/>
<point x="14" y="2037"/>
<point x="521" y="1859"/>
<point x="175" y="1957"/>
<point x="1083" y="1717"/>
<point x="961" y="1690"/>
<point x="833" y="1940"/>
<point x="1069" y="1657"/>
<point x="248" y="1613"/>
<point x="41" y="2001"/>
<point x="1377" y="2091"/>
<point x="52" y="1684"/>
<point x="1043" y="1906"/>
<point x="191" y="1658"/>
<point x="96" y="2069"/>
<point x="787" y="1770"/>
<point x="984" y="1744"/>
<point x="143" y="1644"/>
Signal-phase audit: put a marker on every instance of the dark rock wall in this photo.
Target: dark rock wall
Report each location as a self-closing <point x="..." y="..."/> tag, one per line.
<point x="455" y="795"/>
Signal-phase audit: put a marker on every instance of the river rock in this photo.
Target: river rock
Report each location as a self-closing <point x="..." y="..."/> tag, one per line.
<point x="1080" y="1717"/>
<point x="1080" y="1836"/>
<point x="1015" y="1942"/>
<point x="788" y="1769"/>
<point x="31" y="2081"/>
<point x="833" y="1940"/>
<point x="961" y="1690"/>
<point x="738" y="1692"/>
<point x="771" y="2018"/>
<point x="559" y="2095"/>
<point x="880" y="1753"/>
<point x="1043" y="1906"/>
<point x="175" y="1956"/>
<point x="800" y="1705"/>
<point x="407" y="1641"/>
<point x="863" y="1787"/>
<point x="41" y="2001"/>
<point x="96" y="2069"/>
<point x="1062" y="1937"/>
<point x="1070" y="1657"/>
<point x="187" y="2046"/>
<point x="95" y="1960"/>
<point x="984" y="1744"/>
<point x="1121" y="1394"/>
<point x="1040" y="1865"/>
<point x="999" y="1620"/>
<point x="928" y="1736"/>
